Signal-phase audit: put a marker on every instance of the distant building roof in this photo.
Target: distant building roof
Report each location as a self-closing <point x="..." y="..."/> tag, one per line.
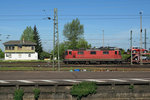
<point x="19" y="42"/>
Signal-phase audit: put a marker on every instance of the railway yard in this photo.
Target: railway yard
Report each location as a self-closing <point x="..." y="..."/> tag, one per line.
<point x="47" y="66"/>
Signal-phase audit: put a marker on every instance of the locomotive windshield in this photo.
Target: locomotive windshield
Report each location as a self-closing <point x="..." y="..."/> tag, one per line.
<point x="70" y="53"/>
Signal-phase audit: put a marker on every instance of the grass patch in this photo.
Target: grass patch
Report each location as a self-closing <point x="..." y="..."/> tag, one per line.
<point x="25" y="69"/>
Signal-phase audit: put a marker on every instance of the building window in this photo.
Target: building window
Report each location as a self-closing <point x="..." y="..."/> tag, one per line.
<point x="8" y="55"/>
<point x="93" y="52"/>
<point x="9" y="48"/>
<point x="32" y="47"/>
<point x="19" y="47"/>
<point x="80" y="52"/>
<point x="6" y="48"/>
<point x="29" y="55"/>
<point x="13" y="47"/>
<point x="105" y="52"/>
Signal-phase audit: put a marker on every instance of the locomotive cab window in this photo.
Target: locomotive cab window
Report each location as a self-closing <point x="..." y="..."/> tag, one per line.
<point x="93" y="52"/>
<point x="116" y="52"/>
<point x="70" y="53"/>
<point x="80" y="52"/>
<point x="105" y="52"/>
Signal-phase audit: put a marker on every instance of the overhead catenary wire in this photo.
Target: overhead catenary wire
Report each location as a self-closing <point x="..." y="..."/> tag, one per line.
<point x="36" y="15"/>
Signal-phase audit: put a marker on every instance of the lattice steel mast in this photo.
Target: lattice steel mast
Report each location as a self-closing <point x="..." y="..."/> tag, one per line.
<point x="56" y="40"/>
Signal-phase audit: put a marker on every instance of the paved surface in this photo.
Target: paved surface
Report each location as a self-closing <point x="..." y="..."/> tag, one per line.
<point x="27" y="75"/>
<point x="31" y="77"/>
<point x="72" y="81"/>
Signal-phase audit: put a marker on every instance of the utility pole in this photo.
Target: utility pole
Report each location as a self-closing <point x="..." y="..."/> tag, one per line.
<point x="141" y="62"/>
<point x="131" y="45"/>
<point x="56" y="40"/>
<point x="103" y="38"/>
<point x="145" y="40"/>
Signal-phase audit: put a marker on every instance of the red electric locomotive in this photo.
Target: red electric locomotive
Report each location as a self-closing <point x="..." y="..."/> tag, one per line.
<point x="86" y="56"/>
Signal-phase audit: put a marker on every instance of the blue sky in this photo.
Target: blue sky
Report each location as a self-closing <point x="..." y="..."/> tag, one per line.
<point x="115" y="17"/>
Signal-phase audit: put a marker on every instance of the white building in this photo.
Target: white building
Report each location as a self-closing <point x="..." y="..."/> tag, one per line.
<point x="20" y="50"/>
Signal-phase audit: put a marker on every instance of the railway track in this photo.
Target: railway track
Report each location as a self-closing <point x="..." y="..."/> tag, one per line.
<point x="48" y="64"/>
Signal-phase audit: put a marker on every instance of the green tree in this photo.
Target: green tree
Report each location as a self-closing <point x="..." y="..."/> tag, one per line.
<point x="73" y="32"/>
<point x="28" y="34"/>
<point x="44" y="55"/>
<point x="125" y="56"/>
<point x="1" y="54"/>
<point x="37" y="40"/>
<point x="62" y="47"/>
<point x="82" y="43"/>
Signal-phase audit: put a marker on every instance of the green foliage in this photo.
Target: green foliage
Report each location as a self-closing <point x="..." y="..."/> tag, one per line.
<point x="124" y="55"/>
<point x="1" y="54"/>
<point x="28" y="34"/>
<point x="131" y="87"/>
<point x="44" y="55"/>
<point x="32" y="35"/>
<point x="36" y="93"/>
<point x="37" y="40"/>
<point x="83" y="89"/>
<point x="73" y="32"/>
<point x="82" y="43"/>
<point x="18" y="95"/>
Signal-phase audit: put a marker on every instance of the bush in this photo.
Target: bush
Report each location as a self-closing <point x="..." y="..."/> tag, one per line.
<point x="36" y="93"/>
<point x="83" y="89"/>
<point x="18" y="95"/>
<point x="131" y="87"/>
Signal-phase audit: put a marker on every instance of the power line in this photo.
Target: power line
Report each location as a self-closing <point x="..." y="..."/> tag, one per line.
<point x="68" y="19"/>
<point x="36" y="15"/>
